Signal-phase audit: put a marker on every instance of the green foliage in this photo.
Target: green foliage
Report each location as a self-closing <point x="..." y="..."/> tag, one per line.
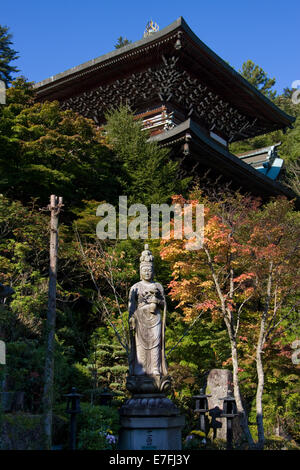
<point x="279" y="443"/>
<point x="293" y="176"/>
<point x="95" y="425"/>
<point x="258" y="78"/>
<point x="45" y="150"/>
<point x="86" y="219"/>
<point x="107" y="362"/>
<point x="197" y="440"/>
<point x="21" y="431"/>
<point x="146" y="173"/>
<point x="48" y="151"/>
<point x="290" y="148"/>
<point x="289" y="138"/>
<point x="23" y="265"/>
<point x="206" y="340"/>
<point x="7" y="55"/>
<point x="122" y="42"/>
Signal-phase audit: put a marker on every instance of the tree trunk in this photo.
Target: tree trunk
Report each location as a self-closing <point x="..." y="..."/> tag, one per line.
<point x="237" y="395"/>
<point x="259" y="391"/>
<point x="231" y="329"/>
<point x="50" y="329"/>
<point x="259" y="364"/>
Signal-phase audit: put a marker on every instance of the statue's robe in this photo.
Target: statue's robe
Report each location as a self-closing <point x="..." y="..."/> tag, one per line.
<point x="147" y="355"/>
<point x="148" y="342"/>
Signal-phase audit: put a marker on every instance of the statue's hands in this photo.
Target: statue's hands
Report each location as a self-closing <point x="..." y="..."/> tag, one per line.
<point x="132" y="323"/>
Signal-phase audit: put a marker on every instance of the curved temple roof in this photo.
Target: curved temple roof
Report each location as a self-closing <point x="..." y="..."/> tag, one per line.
<point x="141" y="69"/>
<point x="195" y="56"/>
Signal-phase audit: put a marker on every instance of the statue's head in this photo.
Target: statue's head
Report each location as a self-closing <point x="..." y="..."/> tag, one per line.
<point x="146" y="265"/>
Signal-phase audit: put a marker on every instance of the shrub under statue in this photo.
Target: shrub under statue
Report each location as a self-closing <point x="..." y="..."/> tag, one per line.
<point x="149" y="420"/>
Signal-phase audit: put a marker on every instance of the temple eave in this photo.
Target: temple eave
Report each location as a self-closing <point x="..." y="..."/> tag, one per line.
<point x="205" y="152"/>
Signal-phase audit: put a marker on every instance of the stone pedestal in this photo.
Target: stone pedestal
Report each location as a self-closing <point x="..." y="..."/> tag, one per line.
<point x="150" y="422"/>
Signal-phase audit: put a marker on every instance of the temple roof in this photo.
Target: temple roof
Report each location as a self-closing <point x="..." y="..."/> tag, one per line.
<point x="265" y="160"/>
<point x="206" y="152"/>
<point x="214" y="87"/>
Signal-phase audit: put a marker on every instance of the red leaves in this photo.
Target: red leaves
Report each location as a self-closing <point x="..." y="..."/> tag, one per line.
<point x="243" y="338"/>
<point x="207" y="305"/>
<point x="242" y="240"/>
<point x="243" y="277"/>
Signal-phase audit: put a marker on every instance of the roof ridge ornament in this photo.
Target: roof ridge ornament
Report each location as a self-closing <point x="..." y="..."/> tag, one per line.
<point x="151" y="28"/>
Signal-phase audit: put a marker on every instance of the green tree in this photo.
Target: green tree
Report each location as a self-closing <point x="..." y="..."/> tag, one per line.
<point x="122" y="42"/>
<point x="44" y="150"/>
<point x="107" y="362"/>
<point x="289" y="138"/>
<point x="147" y="174"/>
<point x="293" y="175"/>
<point x="258" y="78"/>
<point x="7" y="55"/>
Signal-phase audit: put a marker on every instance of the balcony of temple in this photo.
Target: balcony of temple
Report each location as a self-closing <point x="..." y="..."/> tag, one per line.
<point x="160" y="119"/>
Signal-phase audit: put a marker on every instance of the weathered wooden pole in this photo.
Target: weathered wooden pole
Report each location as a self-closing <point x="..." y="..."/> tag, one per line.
<point x="54" y="207"/>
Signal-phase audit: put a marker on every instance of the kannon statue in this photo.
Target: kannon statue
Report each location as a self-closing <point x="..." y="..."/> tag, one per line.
<point x="147" y="322"/>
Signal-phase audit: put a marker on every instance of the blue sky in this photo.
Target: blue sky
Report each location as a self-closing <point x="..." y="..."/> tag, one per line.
<point x="54" y="36"/>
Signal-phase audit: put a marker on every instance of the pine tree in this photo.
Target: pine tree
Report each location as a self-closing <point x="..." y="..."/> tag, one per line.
<point x="107" y="362"/>
<point x="7" y="54"/>
<point x="147" y="174"/>
<point x="258" y="78"/>
<point x="122" y="42"/>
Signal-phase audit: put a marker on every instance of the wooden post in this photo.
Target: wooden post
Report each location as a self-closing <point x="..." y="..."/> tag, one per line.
<point x="54" y="207"/>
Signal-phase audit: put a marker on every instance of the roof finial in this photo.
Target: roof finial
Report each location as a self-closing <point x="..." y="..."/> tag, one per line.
<point x="151" y="28"/>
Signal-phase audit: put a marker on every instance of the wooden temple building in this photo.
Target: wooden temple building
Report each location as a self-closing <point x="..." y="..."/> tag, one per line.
<point x="187" y="96"/>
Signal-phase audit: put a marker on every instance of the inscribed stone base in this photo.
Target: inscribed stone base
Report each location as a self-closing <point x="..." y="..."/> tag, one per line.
<point x="146" y="433"/>
<point x="150" y="423"/>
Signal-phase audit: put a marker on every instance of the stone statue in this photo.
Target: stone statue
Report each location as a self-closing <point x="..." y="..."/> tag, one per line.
<point x="149" y="420"/>
<point x="147" y="321"/>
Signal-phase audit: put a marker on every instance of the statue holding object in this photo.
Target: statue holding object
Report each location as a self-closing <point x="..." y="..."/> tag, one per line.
<point x="147" y="322"/>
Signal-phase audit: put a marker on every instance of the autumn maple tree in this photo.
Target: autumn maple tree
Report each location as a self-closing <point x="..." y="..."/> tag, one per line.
<point x="247" y="273"/>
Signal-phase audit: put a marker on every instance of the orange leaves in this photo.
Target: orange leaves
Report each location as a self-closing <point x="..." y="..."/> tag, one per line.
<point x="228" y="362"/>
<point x="181" y="268"/>
<point x="189" y="314"/>
<point x="206" y="284"/>
<point x="183" y="289"/>
<point x="171" y="251"/>
<point x="242" y="240"/>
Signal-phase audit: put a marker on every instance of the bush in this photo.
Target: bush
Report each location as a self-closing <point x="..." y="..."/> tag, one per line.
<point x="97" y="427"/>
<point x="198" y="440"/>
<point x="21" y="431"/>
<point x="279" y="443"/>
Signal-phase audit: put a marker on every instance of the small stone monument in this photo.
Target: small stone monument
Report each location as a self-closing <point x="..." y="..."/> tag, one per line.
<point x="149" y="420"/>
<point x="219" y="385"/>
